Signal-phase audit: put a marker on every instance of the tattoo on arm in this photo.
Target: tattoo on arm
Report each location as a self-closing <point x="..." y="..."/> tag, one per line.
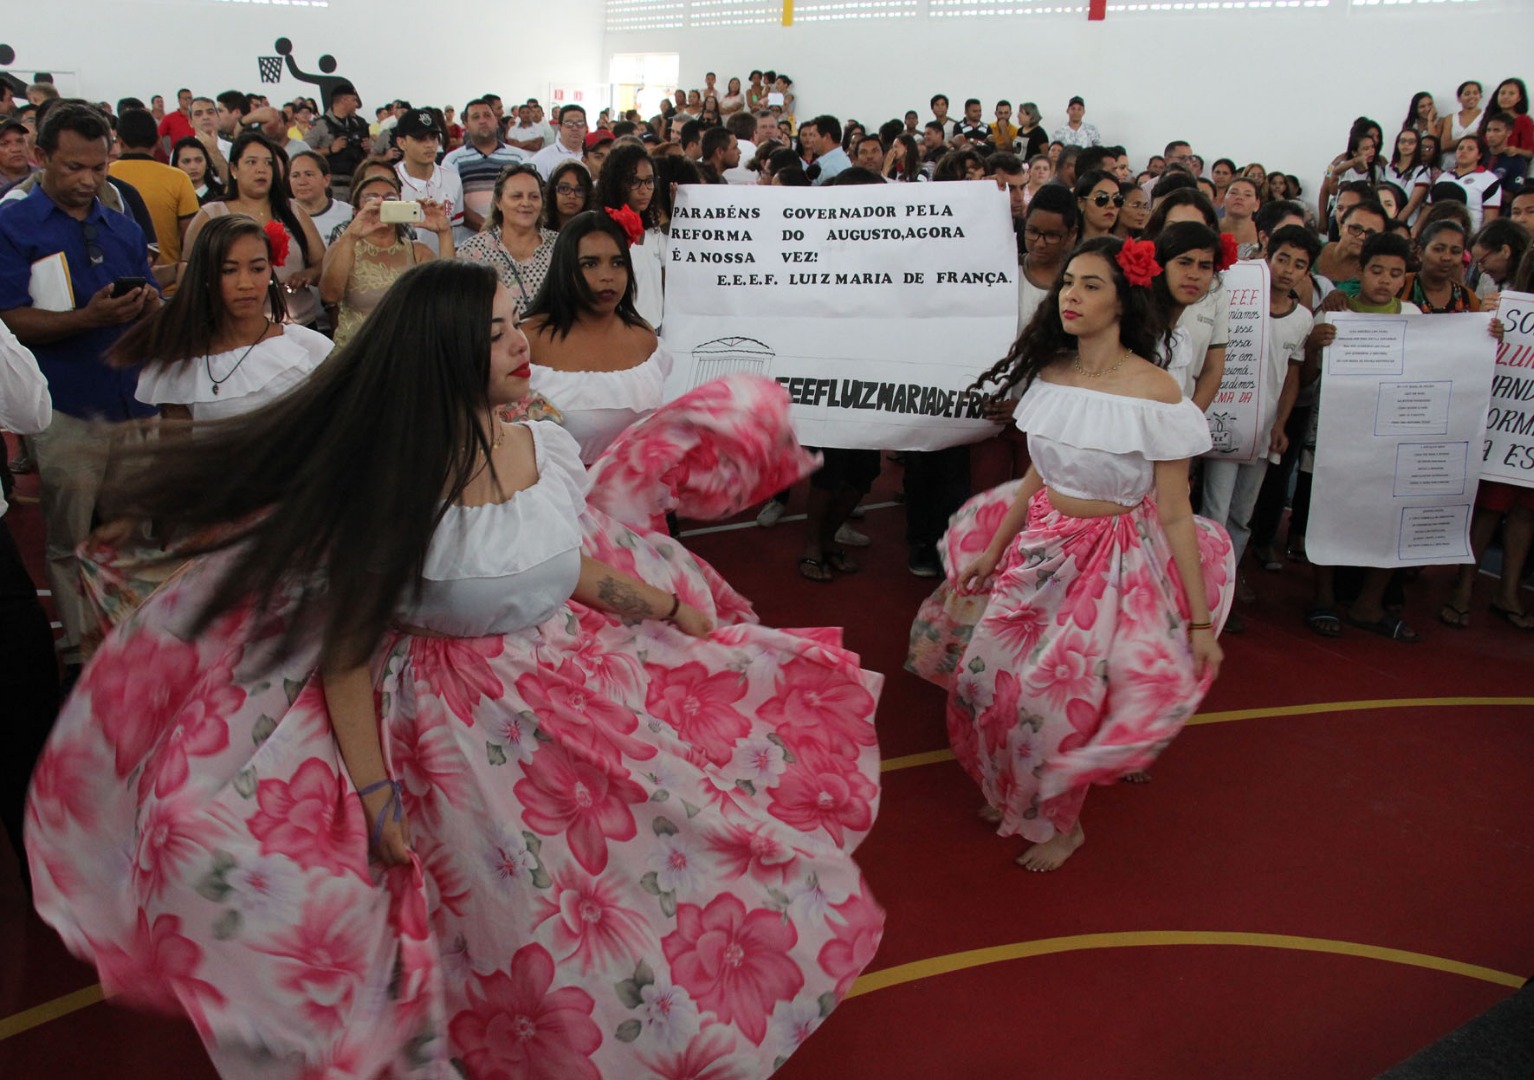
<point x="622" y="598"/>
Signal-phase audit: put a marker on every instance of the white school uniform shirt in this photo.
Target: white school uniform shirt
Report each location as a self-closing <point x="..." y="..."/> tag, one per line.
<point x="1482" y="188"/>
<point x="1286" y="346"/>
<point x="551" y="157"/>
<point x="25" y="405"/>
<point x="1200" y="328"/>
<point x="444" y="187"/>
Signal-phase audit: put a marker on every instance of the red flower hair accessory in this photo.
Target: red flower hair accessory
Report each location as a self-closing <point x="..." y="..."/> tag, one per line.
<point x="1137" y="258"/>
<point x="276" y="242"/>
<point x="632" y="224"/>
<point x="1230" y="252"/>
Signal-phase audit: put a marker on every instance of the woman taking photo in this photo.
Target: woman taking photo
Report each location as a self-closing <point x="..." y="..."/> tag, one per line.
<point x="1096" y="569"/>
<point x="371" y="255"/>
<point x="191" y="157"/>
<point x="594" y="357"/>
<point x="628" y="181"/>
<point x="1099" y="200"/>
<point x="376" y="707"/>
<point x="568" y="192"/>
<point x="513" y="243"/>
<point x="258" y="189"/>
<point x="1455" y="126"/>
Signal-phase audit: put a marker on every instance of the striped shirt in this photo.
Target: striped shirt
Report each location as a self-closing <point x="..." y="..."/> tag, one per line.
<point x="478" y="171"/>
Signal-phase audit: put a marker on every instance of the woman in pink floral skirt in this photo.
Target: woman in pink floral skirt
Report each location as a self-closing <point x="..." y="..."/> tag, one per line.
<point x="433" y="768"/>
<point x="1076" y="632"/>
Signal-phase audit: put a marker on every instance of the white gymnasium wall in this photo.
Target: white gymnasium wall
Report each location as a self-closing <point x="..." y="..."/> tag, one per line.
<point x="438" y="53"/>
<point x="1245" y="81"/>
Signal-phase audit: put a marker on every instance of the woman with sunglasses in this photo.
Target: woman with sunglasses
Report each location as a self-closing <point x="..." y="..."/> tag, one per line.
<point x="1099" y="200"/>
<point x="628" y="181"/>
<point x="567" y="193"/>
<point x="513" y="243"/>
<point x="258" y="187"/>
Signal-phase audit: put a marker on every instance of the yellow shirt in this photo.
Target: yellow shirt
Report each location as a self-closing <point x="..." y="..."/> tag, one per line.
<point x="169" y="195"/>
<point x="1006" y="134"/>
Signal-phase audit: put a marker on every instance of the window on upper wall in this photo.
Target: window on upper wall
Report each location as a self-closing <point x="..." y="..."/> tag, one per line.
<point x="735" y="12"/>
<point x="827" y="11"/>
<point x="625" y="15"/>
<point x="939" y="9"/>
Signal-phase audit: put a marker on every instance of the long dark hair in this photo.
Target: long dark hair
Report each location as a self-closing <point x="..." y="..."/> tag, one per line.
<point x="332" y="492"/>
<point x="1411" y="110"/>
<point x="564" y="293"/>
<point x="562" y="170"/>
<point x="1044" y="340"/>
<point x="210" y="178"/>
<point x="910" y="162"/>
<point x="617" y="172"/>
<point x="277" y="195"/>
<point x="187" y="324"/>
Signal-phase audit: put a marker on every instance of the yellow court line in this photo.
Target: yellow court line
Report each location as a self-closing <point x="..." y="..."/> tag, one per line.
<point x="961" y="961"/>
<point x="50" y="1010"/>
<point x="932" y="757"/>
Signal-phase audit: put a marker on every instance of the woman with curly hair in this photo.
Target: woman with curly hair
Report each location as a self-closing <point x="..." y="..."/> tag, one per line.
<point x="629" y="181"/>
<point x="1102" y="593"/>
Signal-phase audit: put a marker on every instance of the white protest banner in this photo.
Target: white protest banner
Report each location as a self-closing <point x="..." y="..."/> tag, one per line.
<point x="876" y="306"/>
<point x="1243" y="411"/>
<point x="1508" y="454"/>
<point x="1403" y="404"/>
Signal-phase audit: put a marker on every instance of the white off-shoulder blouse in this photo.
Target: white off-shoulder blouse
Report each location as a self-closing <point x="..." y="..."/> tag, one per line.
<point x="1092" y="445"/>
<point x="245" y="382"/>
<point x="599" y="405"/>
<point x="505" y="566"/>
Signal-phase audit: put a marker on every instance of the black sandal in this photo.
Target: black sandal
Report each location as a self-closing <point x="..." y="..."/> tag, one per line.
<point x="1389" y="626"/>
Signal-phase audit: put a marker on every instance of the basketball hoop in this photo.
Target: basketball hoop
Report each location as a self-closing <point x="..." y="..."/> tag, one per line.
<point x="271" y="68"/>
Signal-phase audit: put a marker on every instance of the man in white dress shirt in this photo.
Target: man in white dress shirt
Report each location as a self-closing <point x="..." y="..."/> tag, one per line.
<point x="570" y="144"/>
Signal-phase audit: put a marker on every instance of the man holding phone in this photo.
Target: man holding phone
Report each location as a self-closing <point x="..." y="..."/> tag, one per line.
<point x="73" y="276"/>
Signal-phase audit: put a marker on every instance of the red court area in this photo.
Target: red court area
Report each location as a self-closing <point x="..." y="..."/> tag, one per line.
<point x="1346" y="826"/>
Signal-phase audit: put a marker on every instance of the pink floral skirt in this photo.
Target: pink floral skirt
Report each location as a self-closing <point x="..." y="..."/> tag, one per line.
<point x="1074" y="666"/>
<point x="632" y="849"/>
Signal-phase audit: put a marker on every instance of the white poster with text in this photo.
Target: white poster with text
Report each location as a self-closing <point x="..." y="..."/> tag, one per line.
<point x="1403" y="408"/>
<point x="876" y="306"/>
<point x="1242" y="413"/>
<point x="1508" y="453"/>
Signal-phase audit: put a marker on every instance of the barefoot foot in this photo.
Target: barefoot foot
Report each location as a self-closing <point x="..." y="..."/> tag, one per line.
<point x="1140" y="777"/>
<point x="1041" y="858"/>
<point x="991" y="814"/>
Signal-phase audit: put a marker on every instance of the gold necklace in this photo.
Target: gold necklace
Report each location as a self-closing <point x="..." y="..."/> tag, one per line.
<point x="1076" y="363"/>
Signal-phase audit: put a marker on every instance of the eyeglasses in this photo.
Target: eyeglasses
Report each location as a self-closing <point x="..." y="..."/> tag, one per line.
<point x="1357" y="231"/>
<point x="569" y="189"/>
<point x="1035" y="236"/>
<point x="1102" y="198"/>
<point x="641" y="182"/>
<point x="92" y="249"/>
<point x="572" y="124"/>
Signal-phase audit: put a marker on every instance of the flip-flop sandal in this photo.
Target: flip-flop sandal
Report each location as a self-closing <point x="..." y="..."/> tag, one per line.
<point x="1387" y="626"/>
<point x="842" y="563"/>
<point x="1324" y="621"/>
<point x="1459" y="618"/>
<point x="822" y="572"/>
<point x="1512" y="617"/>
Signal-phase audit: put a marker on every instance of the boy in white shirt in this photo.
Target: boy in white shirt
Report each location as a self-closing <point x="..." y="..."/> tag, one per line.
<point x="420" y="177"/>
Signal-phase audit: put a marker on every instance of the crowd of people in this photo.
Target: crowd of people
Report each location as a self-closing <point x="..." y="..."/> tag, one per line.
<point x="355" y="466"/>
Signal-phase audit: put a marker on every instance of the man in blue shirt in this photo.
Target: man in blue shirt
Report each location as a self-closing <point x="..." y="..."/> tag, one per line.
<point x="822" y="137"/>
<point x="92" y="402"/>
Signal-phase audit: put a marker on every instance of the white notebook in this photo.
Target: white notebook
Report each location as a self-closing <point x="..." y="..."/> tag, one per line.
<point x="50" y="287"/>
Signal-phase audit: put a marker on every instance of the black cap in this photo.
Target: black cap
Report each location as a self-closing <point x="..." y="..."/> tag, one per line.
<point x="416" y="124"/>
<point x="1076" y="101"/>
<point x="10" y="125"/>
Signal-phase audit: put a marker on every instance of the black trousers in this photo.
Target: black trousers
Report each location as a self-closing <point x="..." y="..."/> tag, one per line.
<point x="936" y="485"/>
<point x="29" y="686"/>
<point x="1269" y="510"/>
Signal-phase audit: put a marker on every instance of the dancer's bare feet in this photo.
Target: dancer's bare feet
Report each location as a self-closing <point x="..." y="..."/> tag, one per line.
<point x="1141" y="777"/>
<point x="991" y="814"/>
<point x="1041" y="858"/>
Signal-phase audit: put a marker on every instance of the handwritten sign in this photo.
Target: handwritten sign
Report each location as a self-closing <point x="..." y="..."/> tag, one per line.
<point x="1242" y="413"/>
<point x="1508" y="452"/>
<point x="876" y="306"/>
